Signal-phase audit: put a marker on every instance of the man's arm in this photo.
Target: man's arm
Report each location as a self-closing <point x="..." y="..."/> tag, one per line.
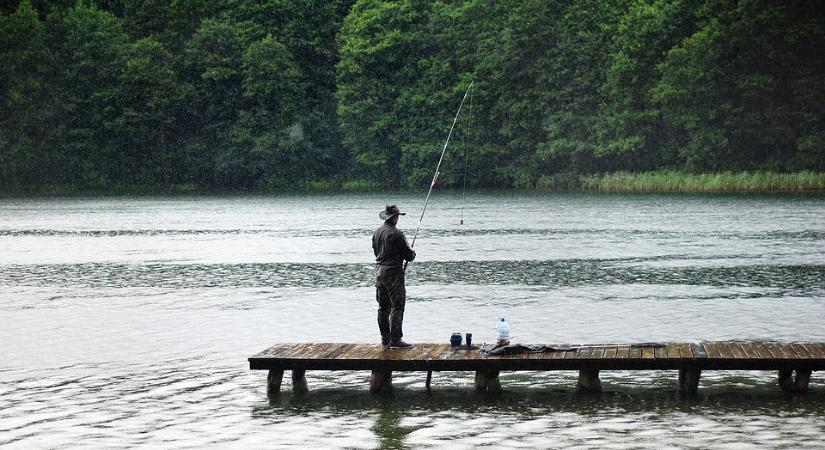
<point x="406" y="252"/>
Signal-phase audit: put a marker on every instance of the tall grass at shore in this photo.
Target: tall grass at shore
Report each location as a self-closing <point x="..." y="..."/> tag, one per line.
<point x="676" y="181"/>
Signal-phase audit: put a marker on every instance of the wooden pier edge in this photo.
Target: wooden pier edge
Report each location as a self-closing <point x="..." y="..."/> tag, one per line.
<point x="794" y="362"/>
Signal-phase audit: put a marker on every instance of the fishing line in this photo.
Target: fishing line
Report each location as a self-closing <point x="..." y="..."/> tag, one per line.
<point x="466" y="158"/>
<point x="437" y="167"/>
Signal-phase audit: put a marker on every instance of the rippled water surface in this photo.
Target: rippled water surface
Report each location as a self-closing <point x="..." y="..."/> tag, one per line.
<point x="128" y="321"/>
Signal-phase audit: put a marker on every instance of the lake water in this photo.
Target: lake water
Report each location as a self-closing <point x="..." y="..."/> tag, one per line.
<point x="127" y="321"/>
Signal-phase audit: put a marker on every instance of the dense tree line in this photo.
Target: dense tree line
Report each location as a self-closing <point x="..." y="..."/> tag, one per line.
<point x="275" y="94"/>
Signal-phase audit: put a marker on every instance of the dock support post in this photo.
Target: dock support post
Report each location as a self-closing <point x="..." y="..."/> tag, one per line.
<point x="299" y="381"/>
<point x="429" y="379"/>
<point x="589" y="381"/>
<point x="794" y="381"/>
<point x="689" y="381"/>
<point x="803" y="377"/>
<point x="487" y="381"/>
<point x="273" y="382"/>
<point x="380" y="381"/>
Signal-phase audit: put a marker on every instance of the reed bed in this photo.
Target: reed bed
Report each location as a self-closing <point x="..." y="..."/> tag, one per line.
<point x="675" y="181"/>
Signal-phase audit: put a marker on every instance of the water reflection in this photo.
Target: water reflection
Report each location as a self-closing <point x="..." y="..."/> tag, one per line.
<point x="524" y="416"/>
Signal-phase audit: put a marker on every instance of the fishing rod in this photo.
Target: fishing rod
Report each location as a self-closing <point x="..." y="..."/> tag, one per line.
<point x="437" y="167"/>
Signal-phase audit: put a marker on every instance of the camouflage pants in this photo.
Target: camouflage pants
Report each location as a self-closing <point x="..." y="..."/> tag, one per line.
<point x="391" y="295"/>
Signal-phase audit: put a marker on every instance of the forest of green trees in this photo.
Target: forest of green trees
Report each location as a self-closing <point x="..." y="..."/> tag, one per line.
<point x="289" y="94"/>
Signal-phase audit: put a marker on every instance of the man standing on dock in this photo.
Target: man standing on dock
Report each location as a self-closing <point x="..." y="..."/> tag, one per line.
<point x="391" y="250"/>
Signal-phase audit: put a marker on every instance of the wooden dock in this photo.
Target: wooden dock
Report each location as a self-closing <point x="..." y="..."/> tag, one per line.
<point x="794" y="362"/>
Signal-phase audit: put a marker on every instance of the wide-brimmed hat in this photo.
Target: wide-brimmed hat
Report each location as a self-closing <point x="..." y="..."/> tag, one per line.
<point x="389" y="211"/>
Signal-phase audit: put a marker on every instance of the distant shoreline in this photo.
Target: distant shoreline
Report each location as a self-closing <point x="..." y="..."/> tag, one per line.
<point x="677" y="181"/>
<point x="665" y="181"/>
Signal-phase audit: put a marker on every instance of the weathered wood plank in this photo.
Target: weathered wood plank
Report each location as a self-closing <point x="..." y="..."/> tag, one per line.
<point x="800" y="350"/>
<point x="448" y="354"/>
<point x="413" y="354"/>
<point x="597" y="352"/>
<point x="435" y="348"/>
<point x="278" y="351"/>
<point x="572" y="354"/>
<point x="611" y="352"/>
<point x="623" y="352"/>
<point x="347" y="351"/>
<point x="296" y="351"/>
<point x="725" y="350"/>
<point x="698" y="351"/>
<point x="660" y="353"/>
<point x="471" y="354"/>
<point x="761" y="350"/>
<point x="314" y="351"/>
<point x="648" y="353"/>
<point x="335" y="353"/>
<point x="788" y="350"/>
<point x="750" y="352"/>
<point x="775" y="350"/>
<point x="376" y="352"/>
<point x="817" y="350"/>
<point x="736" y="349"/>
<point x="685" y="352"/>
<point x="710" y="349"/>
<point x="325" y="350"/>
<point x="438" y="350"/>
<point x="635" y="353"/>
<point x="673" y="351"/>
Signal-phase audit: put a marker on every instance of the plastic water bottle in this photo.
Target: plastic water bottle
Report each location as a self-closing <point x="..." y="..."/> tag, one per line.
<point x="503" y="330"/>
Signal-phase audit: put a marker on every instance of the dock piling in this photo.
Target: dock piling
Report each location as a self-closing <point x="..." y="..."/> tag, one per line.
<point x="273" y="382"/>
<point x="487" y="381"/>
<point x="589" y="381"/>
<point x="689" y="381"/>
<point x="794" y="381"/>
<point x="299" y="381"/>
<point x="380" y="381"/>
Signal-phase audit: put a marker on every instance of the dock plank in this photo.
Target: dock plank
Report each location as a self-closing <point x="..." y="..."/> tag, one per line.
<point x="750" y="352"/>
<point x="347" y="351"/>
<point x="775" y="350"/>
<point x="316" y="351"/>
<point x="660" y="353"/>
<point x="725" y="350"/>
<point x="818" y="351"/>
<point x="278" y="350"/>
<point x="597" y="352"/>
<point x="736" y="349"/>
<point x="698" y="351"/>
<point x="437" y="351"/>
<point x="800" y="350"/>
<point x="761" y="350"/>
<point x="375" y="352"/>
<point x="710" y="349"/>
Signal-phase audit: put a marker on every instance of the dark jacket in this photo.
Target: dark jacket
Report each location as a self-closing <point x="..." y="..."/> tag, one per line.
<point x="391" y="250"/>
